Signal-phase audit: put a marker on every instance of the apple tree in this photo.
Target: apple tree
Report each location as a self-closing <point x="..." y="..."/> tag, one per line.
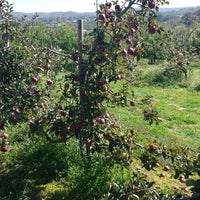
<point x="18" y="91"/>
<point x="100" y="75"/>
<point x="68" y="95"/>
<point x="14" y="59"/>
<point x="65" y="96"/>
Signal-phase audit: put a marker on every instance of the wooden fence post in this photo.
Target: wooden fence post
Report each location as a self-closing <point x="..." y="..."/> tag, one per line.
<point x="82" y="75"/>
<point x="80" y="33"/>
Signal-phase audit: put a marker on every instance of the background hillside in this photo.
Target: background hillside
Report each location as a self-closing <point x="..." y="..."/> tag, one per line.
<point x="166" y="14"/>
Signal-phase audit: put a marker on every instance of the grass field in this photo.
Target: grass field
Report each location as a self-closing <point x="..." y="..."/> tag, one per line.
<point x="177" y="104"/>
<point x="35" y="167"/>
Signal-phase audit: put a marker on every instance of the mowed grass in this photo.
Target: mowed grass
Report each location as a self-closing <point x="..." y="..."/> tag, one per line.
<point x="178" y="110"/>
<point x="178" y="106"/>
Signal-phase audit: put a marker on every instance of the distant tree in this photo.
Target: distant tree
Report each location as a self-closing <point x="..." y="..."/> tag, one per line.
<point x="58" y="35"/>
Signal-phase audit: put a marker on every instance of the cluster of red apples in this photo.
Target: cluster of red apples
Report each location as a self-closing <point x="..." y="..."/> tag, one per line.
<point x="4" y="135"/>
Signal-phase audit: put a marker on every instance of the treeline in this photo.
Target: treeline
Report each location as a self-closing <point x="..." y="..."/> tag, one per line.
<point x="174" y="15"/>
<point x="61" y="36"/>
<point x="57" y="17"/>
<point x="165" y="15"/>
<point x="183" y="38"/>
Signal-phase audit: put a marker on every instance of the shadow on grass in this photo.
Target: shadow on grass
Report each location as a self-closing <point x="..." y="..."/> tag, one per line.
<point x="92" y="184"/>
<point x="52" y="171"/>
<point x="29" y="167"/>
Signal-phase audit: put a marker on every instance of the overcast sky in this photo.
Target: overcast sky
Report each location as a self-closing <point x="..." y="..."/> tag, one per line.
<point x="77" y="5"/>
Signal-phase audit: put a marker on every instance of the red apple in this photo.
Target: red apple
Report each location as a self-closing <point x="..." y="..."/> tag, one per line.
<point x="102" y="17"/>
<point x="118" y="77"/>
<point x="106" y="81"/>
<point x="145" y="174"/>
<point x="17" y="110"/>
<point x="72" y="127"/>
<point x="117" y="40"/>
<point x="183" y="180"/>
<point x="96" y="42"/>
<point x="144" y="161"/>
<point x="104" y="89"/>
<point x="176" y="188"/>
<point x="36" y="91"/>
<point x="82" y="93"/>
<point x="151" y="4"/>
<point x="128" y="41"/>
<point x="166" y="168"/>
<point x="76" y="58"/>
<point x="110" y="14"/>
<point x="156" y="164"/>
<point x="117" y="7"/>
<point x="5" y="136"/>
<point x="41" y="105"/>
<point x="181" y="177"/>
<point x="100" y="149"/>
<point x="133" y="25"/>
<point x="153" y="148"/>
<point x="184" y="188"/>
<point x="48" y="66"/>
<point x="101" y="121"/>
<point x="49" y="82"/>
<point x="132" y="51"/>
<point x="88" y="144"/>
<point x="132" y="31"/>
<point x="34" y="79"/>
<point x="102" y="50"/>
<point x="94" y="122"/>
<point x="162" y="175"/>
<point x="4" y="148"/>
<point x="148" y="167"/>
<point x="132" y="103"/>
<point x="152" y="29"/>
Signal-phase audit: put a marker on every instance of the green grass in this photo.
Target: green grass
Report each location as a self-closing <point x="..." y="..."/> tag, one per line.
<point x="178" y="109"/>
<point x="34" y="167"/>
<point x="54" y="171"/>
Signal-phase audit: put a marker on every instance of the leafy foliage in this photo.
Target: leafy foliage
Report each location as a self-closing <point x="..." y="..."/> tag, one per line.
<point x="82" y="95"/>
<point x="66" y="95"/>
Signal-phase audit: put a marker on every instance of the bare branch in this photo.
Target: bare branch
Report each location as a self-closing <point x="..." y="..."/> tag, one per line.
<point x="45" y="49"/>
<point x="131" y="2"/>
